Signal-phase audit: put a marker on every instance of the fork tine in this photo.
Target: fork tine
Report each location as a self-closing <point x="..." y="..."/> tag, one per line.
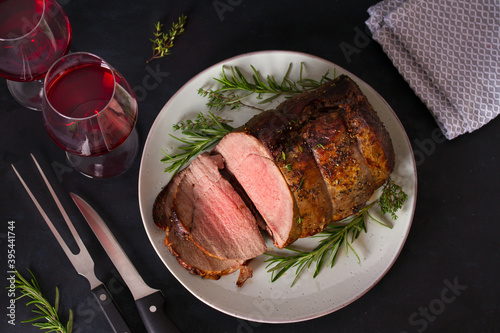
<point x="60" y="240"/>
<point x="59" y="206"/>
<point x="82" y="261"/>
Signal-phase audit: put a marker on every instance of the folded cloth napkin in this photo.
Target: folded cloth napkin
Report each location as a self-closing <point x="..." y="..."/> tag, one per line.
<point x="449" y="53"/>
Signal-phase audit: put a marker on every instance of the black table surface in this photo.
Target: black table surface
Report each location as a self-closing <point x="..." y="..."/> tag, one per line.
<point x="446" y="277"/>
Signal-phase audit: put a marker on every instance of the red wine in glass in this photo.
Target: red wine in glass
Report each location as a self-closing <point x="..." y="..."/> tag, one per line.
<point x="33" y="35"/>
<point x="90" y="111"/>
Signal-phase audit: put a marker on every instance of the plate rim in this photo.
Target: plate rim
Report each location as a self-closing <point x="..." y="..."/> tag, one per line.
<point x="395" y="254"/>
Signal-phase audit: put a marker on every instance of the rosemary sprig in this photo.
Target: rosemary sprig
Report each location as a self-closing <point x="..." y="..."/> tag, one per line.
<point x="207" y="131"/>
<point x="226" y="94"/>
<point x="199" y="135"/>
<point x="260" y="86"/>
<point x="163" y="42"/>
<point x="44" y="309"/>
<point x="334" y="237"/>
<point x="218" y="100"/>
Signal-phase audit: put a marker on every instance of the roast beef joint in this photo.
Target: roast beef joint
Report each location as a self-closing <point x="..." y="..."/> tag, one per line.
<point x="287" y="173"/>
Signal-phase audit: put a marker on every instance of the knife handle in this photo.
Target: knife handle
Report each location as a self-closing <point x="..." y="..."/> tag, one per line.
<point x="111" y="310"/>
<point x="151" y="309"/>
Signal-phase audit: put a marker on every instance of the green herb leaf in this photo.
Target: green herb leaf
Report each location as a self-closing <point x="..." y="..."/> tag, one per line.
<point x="44" y="309"/>
<point x="235" y="87"/>
<point x="207" y="131"/>
<point x="392" y="198"/>
<point x="334" y="236"/>
<point x="218" y="100"/>
<point x="198" y="135"/>
<point x="326" y="252"/>
<point x="163" y="42"/>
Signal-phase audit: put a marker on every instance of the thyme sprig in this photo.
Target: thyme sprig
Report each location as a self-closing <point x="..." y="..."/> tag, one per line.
<point x="198" y="135"/>
<point x="163" y="42"/>
<point x="226" y="94"/>
<point x="334" y="237"/>
<point x="44" y="310"/>
<point x="392" y="198"/>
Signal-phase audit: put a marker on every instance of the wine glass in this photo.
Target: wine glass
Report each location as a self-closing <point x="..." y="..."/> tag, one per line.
<point x="90" y="110"/>
<point x="33" y="35"/>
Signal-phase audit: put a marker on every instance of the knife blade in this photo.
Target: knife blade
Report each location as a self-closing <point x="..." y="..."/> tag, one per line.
<point x="150" y="302"/>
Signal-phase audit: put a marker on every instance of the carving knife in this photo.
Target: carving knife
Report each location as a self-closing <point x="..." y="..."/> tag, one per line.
<point x="150" y="302"/>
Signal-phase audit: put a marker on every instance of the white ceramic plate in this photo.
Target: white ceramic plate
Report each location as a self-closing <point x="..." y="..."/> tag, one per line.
<point x="259" y="299"/>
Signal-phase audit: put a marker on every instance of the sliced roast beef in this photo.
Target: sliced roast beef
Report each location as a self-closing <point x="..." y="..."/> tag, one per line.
<point x="162" y="207"/>
<point x="373" y="140"/>
<point x="316" y="159"/>
<point x="299" y="168"/>
<point x="190" y="256"/>
<point x="208" y="211"/>
<point x="326" y="184"/>
<point x="241" y="192"/>
<point x="251" y="163"/>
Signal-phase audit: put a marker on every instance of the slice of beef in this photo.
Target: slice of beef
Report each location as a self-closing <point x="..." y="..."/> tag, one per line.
<point x="190" y="256"/>
<point x="299" y="168"/>
<point x="342" y="165"/>
<point x="197" y="262"/>
<point x="252" y="164"/>
<point x="208" y="211"/>
<point x="241" y="192"/>
<point x="373" y="139"/>
<point x="162" y="207"/>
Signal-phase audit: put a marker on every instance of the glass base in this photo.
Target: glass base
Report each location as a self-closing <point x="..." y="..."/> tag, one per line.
<point x="28" y="94"/>
<point x="108" y="165"/>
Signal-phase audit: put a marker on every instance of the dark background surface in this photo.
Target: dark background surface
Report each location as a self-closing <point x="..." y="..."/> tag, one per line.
<point x="453" y="239"/>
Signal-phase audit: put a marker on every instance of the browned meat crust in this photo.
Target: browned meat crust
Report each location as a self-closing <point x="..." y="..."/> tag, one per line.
<point x="331" y="148"/>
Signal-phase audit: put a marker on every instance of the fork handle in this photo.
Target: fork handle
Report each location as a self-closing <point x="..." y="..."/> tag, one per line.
<point x="111" y="310"/>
